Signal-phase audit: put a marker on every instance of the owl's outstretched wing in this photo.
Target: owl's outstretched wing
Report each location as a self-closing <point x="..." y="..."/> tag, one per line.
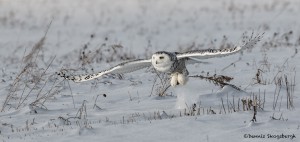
<point x="198" y="55"/>
<point x="125" y="67"/>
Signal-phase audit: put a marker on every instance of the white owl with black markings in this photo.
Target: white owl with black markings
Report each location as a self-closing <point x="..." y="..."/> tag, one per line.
<point x="172" y="63"/>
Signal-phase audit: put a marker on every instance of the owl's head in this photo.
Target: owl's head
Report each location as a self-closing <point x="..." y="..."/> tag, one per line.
<point x="163" y="61"/>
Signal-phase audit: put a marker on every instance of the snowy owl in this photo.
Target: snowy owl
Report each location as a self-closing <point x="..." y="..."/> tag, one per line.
<point x="172" y="63"/>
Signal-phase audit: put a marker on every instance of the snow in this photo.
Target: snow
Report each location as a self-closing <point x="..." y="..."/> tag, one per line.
<point x="127" y="107"/>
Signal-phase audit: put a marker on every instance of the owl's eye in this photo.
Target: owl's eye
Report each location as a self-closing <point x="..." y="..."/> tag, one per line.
<point x="161" y="57"/>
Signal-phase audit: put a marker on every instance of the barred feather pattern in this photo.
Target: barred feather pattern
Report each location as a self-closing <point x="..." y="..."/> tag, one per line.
<point x="170" y="62"/>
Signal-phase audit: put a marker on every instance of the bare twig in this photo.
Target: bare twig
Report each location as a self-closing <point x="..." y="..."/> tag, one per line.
<point x="36" y="83"/>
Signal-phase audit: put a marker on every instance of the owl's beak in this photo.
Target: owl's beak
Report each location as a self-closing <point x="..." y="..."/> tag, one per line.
<point x="155" y="62"/>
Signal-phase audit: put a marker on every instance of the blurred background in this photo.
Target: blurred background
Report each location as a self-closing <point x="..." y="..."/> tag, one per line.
<point x="139" y="25"/>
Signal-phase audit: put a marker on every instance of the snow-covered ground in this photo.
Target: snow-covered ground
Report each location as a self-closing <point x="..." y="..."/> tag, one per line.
<point x="91" y="35"/>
